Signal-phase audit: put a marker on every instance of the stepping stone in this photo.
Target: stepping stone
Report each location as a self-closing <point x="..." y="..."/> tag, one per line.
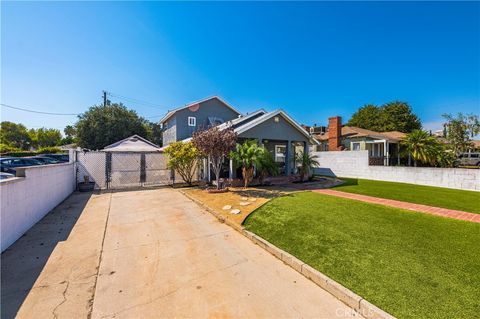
<point x="227" y="207"/>
<point x="244" y="203"/>
<point x="252" y="199"/>
<point x="235" y="211"/>
<point x="244" y="198"/>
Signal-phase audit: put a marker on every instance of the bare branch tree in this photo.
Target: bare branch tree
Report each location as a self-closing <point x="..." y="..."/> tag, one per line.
<point x="216" y="145"/>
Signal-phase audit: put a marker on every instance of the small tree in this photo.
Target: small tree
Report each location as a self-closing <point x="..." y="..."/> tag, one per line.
<point x="247" y="155"/>
<point x="266" y="165"/>
<point x="422" y="147"/>
<point x="307" y="161"/>
<point x="183" y="158"/>
<point x="460" y="130"/>
<point x="216" y="145"/>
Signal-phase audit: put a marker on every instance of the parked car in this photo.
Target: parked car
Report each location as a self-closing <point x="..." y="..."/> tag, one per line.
<point x="60" y="157"/>
<point x="469" y="159"/>
<point x="47" y="160"/>
<point x="9" y="164"/>
<point x="5" y="175"/>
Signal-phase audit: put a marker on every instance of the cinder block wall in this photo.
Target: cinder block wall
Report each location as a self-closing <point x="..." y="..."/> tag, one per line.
<point x="26" y="199"/>
<point x="355" y="164"/>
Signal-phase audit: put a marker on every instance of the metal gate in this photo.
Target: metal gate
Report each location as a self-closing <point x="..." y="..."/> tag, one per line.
<point x="115" y="170"/>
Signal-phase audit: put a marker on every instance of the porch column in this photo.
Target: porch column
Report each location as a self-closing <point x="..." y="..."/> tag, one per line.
<point x="230" y="170"/>
<point x="287" y="157"/>
<point x="209" y="170"/>
<point x="306" y="147"/>
<point x="387" y="155"/>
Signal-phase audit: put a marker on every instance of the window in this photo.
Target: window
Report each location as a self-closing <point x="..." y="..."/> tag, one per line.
<point x="280" y="151"/>
<point x="356" y="146"/>
<point x="192" y="121"/>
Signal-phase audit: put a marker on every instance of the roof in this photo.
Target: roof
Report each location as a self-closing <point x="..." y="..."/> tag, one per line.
<point x="352" y="131"/>
<point x="133" y="143"/>
<point x="268" y="115"/>
<point x="242" y="124"/>
<point x="172" y="112"/>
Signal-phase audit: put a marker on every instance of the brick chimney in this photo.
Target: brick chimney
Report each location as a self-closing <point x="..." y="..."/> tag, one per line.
<point x="334" y="133"/>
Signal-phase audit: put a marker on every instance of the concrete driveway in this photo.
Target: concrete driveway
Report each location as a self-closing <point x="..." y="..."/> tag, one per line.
<point x="155" y="253"/>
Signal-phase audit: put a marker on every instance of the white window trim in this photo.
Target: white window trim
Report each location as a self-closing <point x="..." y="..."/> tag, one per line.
<point x="359" y="146"/>
<point x="192" y="121"/>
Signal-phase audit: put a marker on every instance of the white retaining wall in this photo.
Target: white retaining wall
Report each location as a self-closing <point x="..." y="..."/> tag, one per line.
<point x="30" y="196"/>
<point x="355" y="164"/>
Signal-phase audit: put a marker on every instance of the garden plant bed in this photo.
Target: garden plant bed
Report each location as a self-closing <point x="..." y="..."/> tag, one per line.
<point x="410" y="264"/>
<point x="256" y="197"/>
<point x="467" y="201"/>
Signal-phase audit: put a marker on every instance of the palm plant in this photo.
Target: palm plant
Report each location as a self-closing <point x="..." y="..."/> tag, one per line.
<point x="306" y="161"/>
<point x="422" y="147"/>
<point x="266" y="166"/>
<point x="246" y="155"/>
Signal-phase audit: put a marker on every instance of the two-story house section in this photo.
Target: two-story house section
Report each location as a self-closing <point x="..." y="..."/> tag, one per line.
<point x="181" y="123"/>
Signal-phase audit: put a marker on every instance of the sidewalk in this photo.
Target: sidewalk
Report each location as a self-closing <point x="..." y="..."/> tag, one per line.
<point x="444" y="212"/>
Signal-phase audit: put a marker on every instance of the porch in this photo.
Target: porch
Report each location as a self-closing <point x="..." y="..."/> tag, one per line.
<point x="383" y="152"/>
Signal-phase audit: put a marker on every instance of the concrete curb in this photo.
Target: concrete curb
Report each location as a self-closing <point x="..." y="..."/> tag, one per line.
<point x="348" y="297"/>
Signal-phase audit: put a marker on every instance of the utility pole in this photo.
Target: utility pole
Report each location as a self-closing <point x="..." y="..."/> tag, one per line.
<point x="104" y="99"/>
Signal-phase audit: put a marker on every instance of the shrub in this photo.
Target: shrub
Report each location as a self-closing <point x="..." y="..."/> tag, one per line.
<point x="183" y="158"/>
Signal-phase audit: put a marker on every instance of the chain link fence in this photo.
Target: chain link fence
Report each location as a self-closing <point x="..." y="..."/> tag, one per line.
<point x="116" y="170"/>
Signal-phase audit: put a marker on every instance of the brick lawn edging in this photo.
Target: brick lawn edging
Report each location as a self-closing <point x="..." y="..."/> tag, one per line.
<point x="348" y="297"/>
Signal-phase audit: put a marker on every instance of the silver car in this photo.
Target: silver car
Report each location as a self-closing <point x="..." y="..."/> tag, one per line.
<point x="469" y="159"/>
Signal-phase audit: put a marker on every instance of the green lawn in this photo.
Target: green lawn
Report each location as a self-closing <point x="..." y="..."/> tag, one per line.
<point x="467" y="201"/>
<point x="410" y="264"/>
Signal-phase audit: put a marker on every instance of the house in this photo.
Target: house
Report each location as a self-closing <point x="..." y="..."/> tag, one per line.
<point x="134" y="143"/>
<point x="383" y="147"/>
<point x="182" y="122"/>
<point x="279" y="133"/>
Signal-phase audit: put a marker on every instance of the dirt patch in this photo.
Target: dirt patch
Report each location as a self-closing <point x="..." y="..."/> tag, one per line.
<point x="245" y="200"/>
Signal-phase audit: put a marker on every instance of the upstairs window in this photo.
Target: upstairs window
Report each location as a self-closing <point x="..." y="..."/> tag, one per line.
<point x="192" y="121"/>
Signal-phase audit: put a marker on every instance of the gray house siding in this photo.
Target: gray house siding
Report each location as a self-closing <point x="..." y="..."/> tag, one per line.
<point x="279" y="133"/>
<point x="271" y="130"/>
<point x="210" y="108"/>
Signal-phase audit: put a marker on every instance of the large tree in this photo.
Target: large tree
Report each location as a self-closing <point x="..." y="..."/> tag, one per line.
<point x="392" y="116"/>
<point x="101" y="126"/>
<point x="15" y="135"/>
<point x="45" y="137"/>
<point x="460" y="129"/>
<point x="216" y="145"/>
<point x="154" y="132"/>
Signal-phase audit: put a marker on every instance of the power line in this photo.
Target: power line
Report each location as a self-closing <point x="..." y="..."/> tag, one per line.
<point x="146" y="103"/>
<point x="38" y="112"/>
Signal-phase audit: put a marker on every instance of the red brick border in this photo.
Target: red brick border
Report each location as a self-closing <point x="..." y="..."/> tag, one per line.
<point x="450" y="213"/>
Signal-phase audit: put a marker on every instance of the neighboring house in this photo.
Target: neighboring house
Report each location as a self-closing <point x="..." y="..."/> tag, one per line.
<point x="181" y="123"/>
<point x="281" y="135"/>
<point x="383" y="147"/>
<point x="133" y="143"/>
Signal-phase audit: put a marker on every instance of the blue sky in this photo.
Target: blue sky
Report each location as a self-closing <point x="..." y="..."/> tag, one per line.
<point x="313" y="59"/>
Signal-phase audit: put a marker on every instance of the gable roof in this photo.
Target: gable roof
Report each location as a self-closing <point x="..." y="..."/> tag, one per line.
<point x="266" y="116"/>
<point x="352" y="131"/>
<point x="172" y="112"/>
<point x="134" y="143"/>
<point x="241" y="120"/>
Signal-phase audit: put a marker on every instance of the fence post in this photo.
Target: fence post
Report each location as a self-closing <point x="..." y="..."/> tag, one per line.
<point x="108" y="168"/>
<point x="143" y="172"/>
